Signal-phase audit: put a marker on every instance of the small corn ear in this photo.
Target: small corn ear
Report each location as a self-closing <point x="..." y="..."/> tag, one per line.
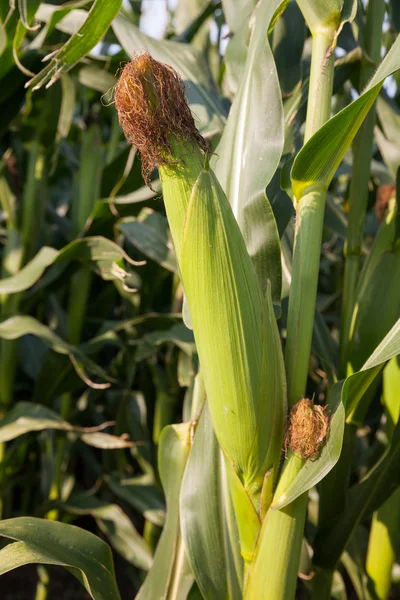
<point x="234" y="326"/>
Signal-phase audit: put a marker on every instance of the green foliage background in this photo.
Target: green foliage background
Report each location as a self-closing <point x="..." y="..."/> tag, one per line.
<point x="95" y="359"/>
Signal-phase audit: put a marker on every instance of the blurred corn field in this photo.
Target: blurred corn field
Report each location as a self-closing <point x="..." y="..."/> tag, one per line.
<point x="200" y="319"/>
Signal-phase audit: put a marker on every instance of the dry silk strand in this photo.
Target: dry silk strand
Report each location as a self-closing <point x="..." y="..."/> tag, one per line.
<point x="152" y="109"/>
<point x="307" y="429"/>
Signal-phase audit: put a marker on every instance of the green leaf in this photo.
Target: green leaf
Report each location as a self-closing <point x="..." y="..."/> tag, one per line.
<point x="342" y="400"/>
<point x="149" y="232"/>
<point x="142" y="494"/>
<point x="53" y="543"/>
<point x="25" y="417"/>
<point x="16" y="327"/>
<point x="363" y="499"/>
<point x="356" y="384"/>
<point x="391" y="397"/>
<point x="249" y="152"/>
<point x="237" y="11"/>
<point x="190" y="64"/>
<point x="169" y="576"/>
<point x="316" y="163"/>
<point x="67" y="107"/>
<point x="376" y="312"/>
<point x="96" y="79"/>
<point x="93" y="29"/>
<point x="205" y="530"/>
<point x="99" y="252"/>
<point x="116" y="525"/>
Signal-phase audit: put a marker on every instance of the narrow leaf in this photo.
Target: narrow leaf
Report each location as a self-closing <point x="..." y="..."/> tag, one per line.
<point x="93" y="29"/>
<point x="249" y="151"/>
<point x="318" y="160"/>
<point x="25" y="417"/>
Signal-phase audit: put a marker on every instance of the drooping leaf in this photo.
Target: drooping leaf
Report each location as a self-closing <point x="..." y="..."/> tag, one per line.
<point x="149" y="233"/>
<point x="99" y="252"/>
<point x="142" y="494"/>
<point x="18" y="326"/>
<point x="116" y="525"/>
<point x="52" y="543"/>
<point x="249" y="152"/>
<point x="25" y="417"/>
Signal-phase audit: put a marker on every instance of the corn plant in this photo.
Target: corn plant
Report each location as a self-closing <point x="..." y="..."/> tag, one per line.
<point x="218" y="285"/>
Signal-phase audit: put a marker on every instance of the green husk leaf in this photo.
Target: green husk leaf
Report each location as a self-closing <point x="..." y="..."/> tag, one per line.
<point x="205" y="528"/>
<point x="235" y="332"/>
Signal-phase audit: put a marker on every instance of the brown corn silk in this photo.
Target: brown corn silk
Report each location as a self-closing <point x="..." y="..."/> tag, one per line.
<point x="152" y="111"/>
<point x="307" y="429"/>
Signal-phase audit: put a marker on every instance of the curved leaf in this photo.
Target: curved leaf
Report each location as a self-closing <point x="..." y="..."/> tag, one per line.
<point x="203" y="501"/>
<point x="100" y="252"/>
<point x="25" y="417"/>
<point x="319" y="158"/>
<point x="53" y="543"/>
<point x="16" y="327"/>
<point x="141" y="493"/>
<point x="116" y="525"/>
<point x="150" y="234"/>
<point x="363" y="499"/>
<point x="342" y="400"/>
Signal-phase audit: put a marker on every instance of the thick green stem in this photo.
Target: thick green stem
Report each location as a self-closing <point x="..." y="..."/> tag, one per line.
<point x="358" y="197"/>
<point x="286" y="526"/>
<point x="279" y="545"/>
<point x="309" y="222"/>
<point x="322" y="584"/>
